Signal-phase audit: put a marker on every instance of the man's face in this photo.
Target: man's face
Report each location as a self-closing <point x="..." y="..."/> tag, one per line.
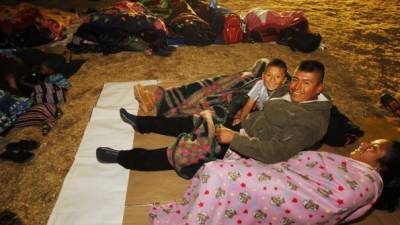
<point x="305" y="86"/>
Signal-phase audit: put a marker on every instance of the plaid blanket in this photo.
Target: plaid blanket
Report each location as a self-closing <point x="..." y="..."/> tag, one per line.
<point x="229" y="91"/>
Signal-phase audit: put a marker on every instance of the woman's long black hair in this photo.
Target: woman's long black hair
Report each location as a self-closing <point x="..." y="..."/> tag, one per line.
<point x="390" y="173"/>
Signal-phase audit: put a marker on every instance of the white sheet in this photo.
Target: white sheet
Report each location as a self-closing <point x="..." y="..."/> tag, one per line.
<point x="94" y="193"/>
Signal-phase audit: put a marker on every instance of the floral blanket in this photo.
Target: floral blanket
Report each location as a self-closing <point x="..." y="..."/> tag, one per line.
<point x="310" y="188"/>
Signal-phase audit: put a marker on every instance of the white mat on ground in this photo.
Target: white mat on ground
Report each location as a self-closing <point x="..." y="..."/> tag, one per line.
<point x="94" y="193"/>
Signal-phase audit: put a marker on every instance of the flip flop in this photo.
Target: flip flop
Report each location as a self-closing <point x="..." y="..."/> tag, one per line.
<point x="391" y="104"/>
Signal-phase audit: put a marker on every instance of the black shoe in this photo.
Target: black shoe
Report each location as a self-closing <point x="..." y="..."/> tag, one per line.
<point x="9" y="218"/>
<point x="129" y="118"/>
<point x="107" y="155"/>
<point x="18" y="156"/>
<point x="26" y="145"/>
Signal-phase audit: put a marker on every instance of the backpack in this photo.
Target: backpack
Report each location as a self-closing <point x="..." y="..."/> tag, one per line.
<point x="232" y="32"/>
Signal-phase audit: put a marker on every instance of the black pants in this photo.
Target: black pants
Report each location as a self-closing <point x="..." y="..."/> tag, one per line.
<point x="156" y="159"/>
<point x="165" y="125"/>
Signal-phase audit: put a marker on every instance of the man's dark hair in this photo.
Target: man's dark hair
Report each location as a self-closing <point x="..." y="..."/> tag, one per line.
<point x="312" y="66"/>
<point x="390" y="173"/>
<point x="278" y="63"/>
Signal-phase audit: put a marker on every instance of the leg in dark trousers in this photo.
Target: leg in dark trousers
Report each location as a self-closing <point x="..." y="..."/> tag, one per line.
<point x="144" y="160"/>
<point x="165" y="125"/>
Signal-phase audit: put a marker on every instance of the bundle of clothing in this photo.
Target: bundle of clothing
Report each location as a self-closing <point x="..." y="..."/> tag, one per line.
<point x="27" y="25"/>
<point x="197" y="22"/>
<point x="23" y="112"/>
<point x="125" y="26"/>
<point x="32" y="86"/>
<point x="289" y="28"/>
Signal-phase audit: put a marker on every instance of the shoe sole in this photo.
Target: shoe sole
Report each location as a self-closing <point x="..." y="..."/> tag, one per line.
<point x="145" y="98"/>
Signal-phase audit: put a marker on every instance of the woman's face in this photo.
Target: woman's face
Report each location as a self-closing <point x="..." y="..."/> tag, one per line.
<point x="274" y="77"/>
<point x="371" y="152"/>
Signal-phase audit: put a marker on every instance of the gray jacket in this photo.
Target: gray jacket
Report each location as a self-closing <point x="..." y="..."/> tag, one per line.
<point x="282" y="128"/>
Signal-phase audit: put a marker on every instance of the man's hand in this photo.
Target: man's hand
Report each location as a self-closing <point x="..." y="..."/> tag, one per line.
<point x="224" y="135"/>
<point x="236" y="121"/>
<point x="246" y="74"/>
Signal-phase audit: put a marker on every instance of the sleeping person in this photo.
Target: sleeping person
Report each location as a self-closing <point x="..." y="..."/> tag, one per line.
<point x="310" y="188"/>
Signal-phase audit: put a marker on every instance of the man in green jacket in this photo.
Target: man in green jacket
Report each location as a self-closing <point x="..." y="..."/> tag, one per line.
<point x="295" y="118"/>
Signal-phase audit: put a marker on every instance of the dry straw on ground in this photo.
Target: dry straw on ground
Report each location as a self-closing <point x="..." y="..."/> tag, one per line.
<point x="360" y="58"/>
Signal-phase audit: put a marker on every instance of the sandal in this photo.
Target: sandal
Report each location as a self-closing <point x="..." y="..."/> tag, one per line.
<point x="26" y="145"/>
<point x="18" y="156"/>
<point x="9" y="218"/>
<point x="391" y="104"/>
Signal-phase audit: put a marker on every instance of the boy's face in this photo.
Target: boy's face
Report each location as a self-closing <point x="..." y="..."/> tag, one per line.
<point x="274" y="77"/>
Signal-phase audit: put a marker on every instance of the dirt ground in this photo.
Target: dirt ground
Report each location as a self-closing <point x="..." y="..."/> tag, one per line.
<point x="362" y="58"/>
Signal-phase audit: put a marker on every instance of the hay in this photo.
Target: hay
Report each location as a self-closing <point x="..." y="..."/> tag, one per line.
<point x="31" y="189"/>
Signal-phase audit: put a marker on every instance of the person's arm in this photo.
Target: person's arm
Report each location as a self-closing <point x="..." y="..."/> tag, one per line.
<point x="253" y="95"/>
<point x="245" y="111"/>
<point x="280" y="147"/>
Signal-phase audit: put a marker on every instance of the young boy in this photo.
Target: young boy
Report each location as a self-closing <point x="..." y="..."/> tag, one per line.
<point x="274" y="77"/>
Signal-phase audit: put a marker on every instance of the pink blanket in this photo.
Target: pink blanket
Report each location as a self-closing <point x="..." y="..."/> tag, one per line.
<point x="310" y="188"/>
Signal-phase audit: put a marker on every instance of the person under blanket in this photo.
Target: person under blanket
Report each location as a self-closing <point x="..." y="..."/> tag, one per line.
<point x="309" y="188"/>
<point x="290" y="121"/>
<point x="20" y="73"/>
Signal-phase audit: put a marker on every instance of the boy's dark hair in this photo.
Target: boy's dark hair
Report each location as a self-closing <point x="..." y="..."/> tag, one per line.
<point x="390" y="173"/>
<point x="312" y="66"/>
<point x="278" y="63"/>
<point x="281" y="64"/>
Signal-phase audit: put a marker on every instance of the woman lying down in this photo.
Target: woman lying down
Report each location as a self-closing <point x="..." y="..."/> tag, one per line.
<point x="310" y="188"/>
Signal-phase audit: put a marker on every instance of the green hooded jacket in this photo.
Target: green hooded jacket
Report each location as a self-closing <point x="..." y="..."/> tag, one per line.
<point x="282" y="128"/>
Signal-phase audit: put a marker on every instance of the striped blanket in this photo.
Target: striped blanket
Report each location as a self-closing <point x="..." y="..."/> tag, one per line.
<point x="43" y="115"/>
<point x="229" y="91"/>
